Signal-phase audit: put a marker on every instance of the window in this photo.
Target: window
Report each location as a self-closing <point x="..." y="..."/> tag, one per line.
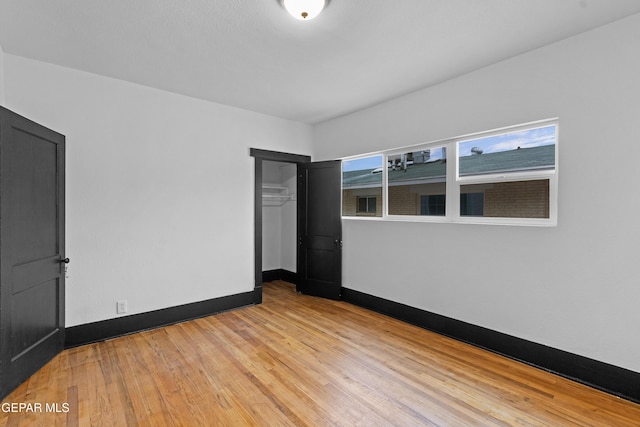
<point x="416" y="182"/>
<point x="513" y="199"/>
<point x="507" y="176"/>
<point x="524" y="150"/>
<point x="511" y="171"/>
<point x="367" y="204"/>
<point x="471" y="204"/>
<point x="432" y="205"/>
<point x="362" y="186"/>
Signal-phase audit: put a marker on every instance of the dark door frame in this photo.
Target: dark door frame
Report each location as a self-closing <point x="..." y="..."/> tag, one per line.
<point x="260" y="156"/>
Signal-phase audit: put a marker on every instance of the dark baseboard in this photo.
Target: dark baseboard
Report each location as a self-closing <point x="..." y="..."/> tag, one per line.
<point x="603" y="376"/>
<point x="280" y="274"/>
<point x="111" y="328"/>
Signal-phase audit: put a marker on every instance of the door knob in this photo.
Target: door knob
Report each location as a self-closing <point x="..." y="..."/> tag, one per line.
<point x="65" y="261"/>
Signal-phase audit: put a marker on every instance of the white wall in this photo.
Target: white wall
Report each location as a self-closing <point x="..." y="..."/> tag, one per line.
<point x="159" y="187"/>
<point x="279" y="220"/>
<point x="574" y="287"/>
<point x="1" y="76"/>
<point x="271" y="221"/>
<point x="289" y="220"/>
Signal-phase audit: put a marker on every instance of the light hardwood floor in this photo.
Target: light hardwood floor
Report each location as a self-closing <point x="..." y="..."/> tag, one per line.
<point x="304" y="361"/>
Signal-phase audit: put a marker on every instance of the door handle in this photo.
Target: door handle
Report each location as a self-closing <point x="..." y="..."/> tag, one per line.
<point x="63" y="262"/>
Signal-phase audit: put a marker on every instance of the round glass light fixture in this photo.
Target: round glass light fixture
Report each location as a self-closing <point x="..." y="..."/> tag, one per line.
<point x="304" y="10"/>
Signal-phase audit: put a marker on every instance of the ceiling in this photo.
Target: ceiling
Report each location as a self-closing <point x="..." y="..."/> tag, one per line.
<point x="251" y="54"/>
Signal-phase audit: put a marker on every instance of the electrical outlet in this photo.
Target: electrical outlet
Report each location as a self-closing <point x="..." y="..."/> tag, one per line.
<point x="121" y="307"/>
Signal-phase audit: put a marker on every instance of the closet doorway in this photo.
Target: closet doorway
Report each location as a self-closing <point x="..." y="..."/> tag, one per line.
<point x="268" y="160"/>
<point x="279" y="221"/>
<point x="311" y="197"/>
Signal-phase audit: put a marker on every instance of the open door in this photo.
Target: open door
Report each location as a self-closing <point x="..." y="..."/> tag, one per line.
<point x="31" y="248"/>
<point x="320" y="229"/>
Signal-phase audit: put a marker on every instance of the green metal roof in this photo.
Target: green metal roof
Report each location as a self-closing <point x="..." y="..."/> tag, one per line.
<point x="505" y="161"/>
<point x="543" y="157"/>
<point x="361" y="178"/>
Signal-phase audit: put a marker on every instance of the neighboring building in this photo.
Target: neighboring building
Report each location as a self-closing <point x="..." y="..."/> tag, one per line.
<point x="417" y="186"/>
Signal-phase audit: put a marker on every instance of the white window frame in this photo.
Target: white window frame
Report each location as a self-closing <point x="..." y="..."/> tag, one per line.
<point x="492" y="178"/>
<point x="385" y="190"/>
<point x="453" y="181"/>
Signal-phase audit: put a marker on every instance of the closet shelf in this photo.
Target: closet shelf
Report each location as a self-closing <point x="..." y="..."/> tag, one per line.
<point x="276" y="195"/>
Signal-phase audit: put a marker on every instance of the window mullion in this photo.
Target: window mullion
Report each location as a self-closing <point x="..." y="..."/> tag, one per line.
<point x="385" y="187"/>
<point x="452" y="186"/>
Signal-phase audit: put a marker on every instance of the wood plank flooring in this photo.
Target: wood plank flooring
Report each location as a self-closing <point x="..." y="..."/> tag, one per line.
<point x="302" y="361"/>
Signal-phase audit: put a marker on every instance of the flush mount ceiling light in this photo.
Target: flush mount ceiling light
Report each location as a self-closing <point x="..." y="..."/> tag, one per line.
<point x="304" y="10"/>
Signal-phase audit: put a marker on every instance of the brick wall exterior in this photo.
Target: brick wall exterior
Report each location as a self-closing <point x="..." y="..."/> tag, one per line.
<point x="402" y="201"/>
<point x="520" y="199"/>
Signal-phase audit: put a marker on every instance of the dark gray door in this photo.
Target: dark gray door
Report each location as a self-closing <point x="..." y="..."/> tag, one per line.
<point x="320" y="229"/>
<point x="31" y="247"/>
